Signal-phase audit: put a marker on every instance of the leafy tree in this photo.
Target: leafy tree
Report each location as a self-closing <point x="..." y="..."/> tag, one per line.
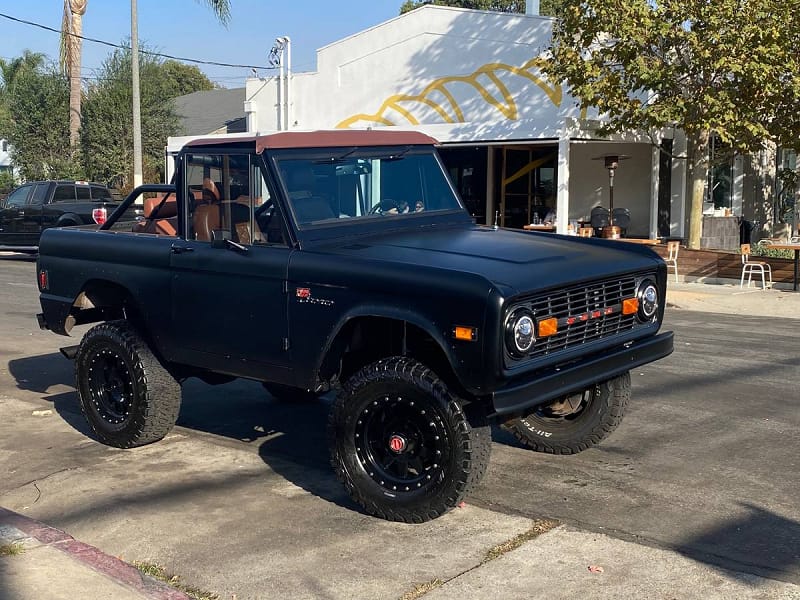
<point x="728" y="67"/>
<point x="106" y="132"/>
<point x="181" y="79"/>
<point x="7" y="182"/>
<point x="10" y="70"/>
<point x="546" y="7"/>
<point x="39" y="130"/>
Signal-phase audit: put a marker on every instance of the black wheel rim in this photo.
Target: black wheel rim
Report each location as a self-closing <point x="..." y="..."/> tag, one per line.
<point x="110" y="386"/>
<point x="402" y="442"/>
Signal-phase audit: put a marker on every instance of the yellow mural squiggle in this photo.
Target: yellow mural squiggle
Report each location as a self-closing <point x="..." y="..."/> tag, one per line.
<point x="507" y="107"/>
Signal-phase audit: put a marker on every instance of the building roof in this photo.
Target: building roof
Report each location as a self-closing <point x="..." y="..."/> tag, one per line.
<point x="213" y="111"/>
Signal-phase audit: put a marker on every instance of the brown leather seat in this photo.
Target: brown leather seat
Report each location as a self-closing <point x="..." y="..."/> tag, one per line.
<point x="166" y="219"/>
<point x="206" y="216"/>
<point x="205" y="220"/>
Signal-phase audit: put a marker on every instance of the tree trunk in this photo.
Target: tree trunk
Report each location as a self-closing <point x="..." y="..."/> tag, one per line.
<point x="77" y="8"/>
<point x="699" y="161"/>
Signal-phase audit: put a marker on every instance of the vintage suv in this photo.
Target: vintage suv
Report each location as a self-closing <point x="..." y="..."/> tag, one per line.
<point x="345" y="260"/>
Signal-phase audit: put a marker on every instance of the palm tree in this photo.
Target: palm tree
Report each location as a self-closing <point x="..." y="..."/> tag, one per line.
<point x="71" y="47"/>
<point x="221" y="8"/>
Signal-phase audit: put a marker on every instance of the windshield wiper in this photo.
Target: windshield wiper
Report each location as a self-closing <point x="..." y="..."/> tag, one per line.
<point x="398" y="156"/>
<point x="335" y="159"/>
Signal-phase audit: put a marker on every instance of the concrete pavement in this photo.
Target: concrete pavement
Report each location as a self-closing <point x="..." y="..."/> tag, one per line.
<point x="471" y="553"/>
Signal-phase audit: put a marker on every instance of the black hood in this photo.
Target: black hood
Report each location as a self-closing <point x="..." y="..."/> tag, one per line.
<point x="530" y="260"/>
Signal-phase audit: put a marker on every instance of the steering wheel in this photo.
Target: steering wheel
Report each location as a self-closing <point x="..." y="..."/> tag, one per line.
<point x="263" y="214"/>
<point x="385" y="207"/>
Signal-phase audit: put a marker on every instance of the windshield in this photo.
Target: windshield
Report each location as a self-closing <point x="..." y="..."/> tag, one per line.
<point x="369" y="185"/>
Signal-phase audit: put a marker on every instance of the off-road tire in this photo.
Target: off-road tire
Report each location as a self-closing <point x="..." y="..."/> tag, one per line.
<point x="571" y="434"/>
<point x="410" y="400"/>
<point x="126" y="395"/>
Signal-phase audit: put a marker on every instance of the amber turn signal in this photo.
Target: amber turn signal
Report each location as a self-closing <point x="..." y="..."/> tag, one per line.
<point x="548" y="327"/>
<point x="630" y="306"/>
<point x="467" y="334"/>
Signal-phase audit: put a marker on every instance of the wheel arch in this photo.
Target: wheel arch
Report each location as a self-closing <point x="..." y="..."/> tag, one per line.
<point x="69" y="219"/>
<point x="392" y="332"/>
<point x="102" y="300"/>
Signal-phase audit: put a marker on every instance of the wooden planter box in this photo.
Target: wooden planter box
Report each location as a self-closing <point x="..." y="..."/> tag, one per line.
<point x="718" y="264"/>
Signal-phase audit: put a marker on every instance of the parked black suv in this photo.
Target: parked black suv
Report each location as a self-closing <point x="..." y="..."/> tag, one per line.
<point x="36" y="206"/>
<point x="345" y="260"/>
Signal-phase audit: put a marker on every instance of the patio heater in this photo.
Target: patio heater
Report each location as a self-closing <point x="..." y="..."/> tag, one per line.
<point x="611" y="162"/>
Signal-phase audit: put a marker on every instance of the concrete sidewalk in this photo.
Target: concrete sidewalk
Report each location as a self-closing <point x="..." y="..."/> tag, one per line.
<point x="729" y="298"/>
<point x="562" y="563"/>
<point x="37" y="561"/>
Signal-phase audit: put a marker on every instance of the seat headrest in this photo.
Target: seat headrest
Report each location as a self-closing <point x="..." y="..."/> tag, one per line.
<point x="211" y="187"/>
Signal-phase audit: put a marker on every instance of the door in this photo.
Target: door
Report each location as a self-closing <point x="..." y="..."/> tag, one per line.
<point x="11" y="216"/>
<point x="228" y="300"/>
<point x="30" y="224"/>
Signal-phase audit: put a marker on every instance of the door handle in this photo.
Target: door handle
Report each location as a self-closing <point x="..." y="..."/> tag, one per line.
<point x="176" y="249"/>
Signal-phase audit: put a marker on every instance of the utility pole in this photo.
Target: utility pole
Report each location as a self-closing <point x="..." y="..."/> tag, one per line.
<point x="137" y="114"/>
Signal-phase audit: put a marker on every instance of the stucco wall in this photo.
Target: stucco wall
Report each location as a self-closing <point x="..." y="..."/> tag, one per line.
<point x="434" y="66"/>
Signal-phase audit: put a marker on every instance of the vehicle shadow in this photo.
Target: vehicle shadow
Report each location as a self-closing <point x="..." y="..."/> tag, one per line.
<point x="52" y="378"/>
<point x="290" y="435"/>
<point x="41" y="373"/>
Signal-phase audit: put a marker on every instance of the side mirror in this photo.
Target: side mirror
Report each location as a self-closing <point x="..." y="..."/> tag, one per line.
<point x="220" y="238"/>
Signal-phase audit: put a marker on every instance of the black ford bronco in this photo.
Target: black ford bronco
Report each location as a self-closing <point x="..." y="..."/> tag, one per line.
<point x="345" y="261"/>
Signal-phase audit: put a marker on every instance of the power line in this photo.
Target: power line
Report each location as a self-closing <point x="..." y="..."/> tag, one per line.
<point x="159" y="54"/>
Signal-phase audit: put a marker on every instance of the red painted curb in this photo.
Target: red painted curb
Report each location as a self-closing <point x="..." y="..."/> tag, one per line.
<point x="90" y="556"/>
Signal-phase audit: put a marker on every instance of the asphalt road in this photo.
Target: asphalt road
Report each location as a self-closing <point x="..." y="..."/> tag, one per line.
<point x="705" y="462"/>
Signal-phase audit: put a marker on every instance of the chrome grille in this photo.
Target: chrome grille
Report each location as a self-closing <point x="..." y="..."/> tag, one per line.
<point x="572" y="302"/>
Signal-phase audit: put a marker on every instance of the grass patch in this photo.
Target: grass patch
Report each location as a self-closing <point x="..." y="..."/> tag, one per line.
<point x="540" y="526"/>
<point x="158" y="572"/>
<point x="11" y="549"/>
<point x="422" y="589"/>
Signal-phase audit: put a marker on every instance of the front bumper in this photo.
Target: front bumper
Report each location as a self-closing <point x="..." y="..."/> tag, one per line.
<point x="543" y="386"/>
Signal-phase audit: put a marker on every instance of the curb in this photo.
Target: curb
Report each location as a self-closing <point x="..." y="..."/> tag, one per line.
<point x="90" y="556"/>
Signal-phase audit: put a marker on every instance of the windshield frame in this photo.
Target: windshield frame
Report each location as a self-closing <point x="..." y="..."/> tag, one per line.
<point x="275" y="158"/>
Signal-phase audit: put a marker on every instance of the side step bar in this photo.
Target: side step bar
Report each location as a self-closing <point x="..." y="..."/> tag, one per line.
<point x="69" y="351"/>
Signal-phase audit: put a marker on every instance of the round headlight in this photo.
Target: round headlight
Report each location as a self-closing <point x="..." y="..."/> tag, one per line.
<point x="520" y="328"/>
<point x="648" y="300"/>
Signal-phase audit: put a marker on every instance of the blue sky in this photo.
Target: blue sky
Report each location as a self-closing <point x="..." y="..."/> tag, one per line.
<point x="188" y="28"/>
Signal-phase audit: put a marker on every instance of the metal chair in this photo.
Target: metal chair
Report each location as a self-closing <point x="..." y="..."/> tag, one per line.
<point x="754" y="266"/>
<point x="672" y="257"/>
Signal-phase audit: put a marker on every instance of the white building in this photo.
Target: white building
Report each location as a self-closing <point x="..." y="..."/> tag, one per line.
<point x="514" y="143"/>
<point x="5" y="156"/>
